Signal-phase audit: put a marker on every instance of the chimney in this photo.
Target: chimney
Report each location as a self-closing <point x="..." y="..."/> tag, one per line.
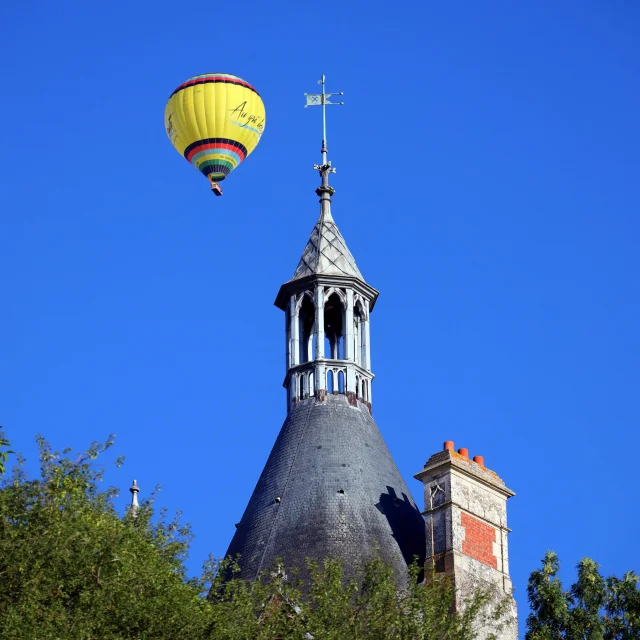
<point x="465" y="509"/>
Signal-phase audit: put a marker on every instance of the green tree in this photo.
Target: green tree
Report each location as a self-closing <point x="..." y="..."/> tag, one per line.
<point x="73" y="568"/>
<point x="622" y="608"/>
<point x="593" y="608"/>
<point x="4" y="452"/>
<point x="328" y="606"/>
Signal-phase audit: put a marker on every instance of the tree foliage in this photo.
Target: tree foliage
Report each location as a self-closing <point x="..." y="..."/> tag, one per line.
<point x="368" y="606"/>
<point x="4" y="452"/>
<point x="593" y="608"/>
<point x="73" y="568"/>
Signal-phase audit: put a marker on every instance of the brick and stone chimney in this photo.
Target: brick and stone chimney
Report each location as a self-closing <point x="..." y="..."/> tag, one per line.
<point x="466" y="520"/>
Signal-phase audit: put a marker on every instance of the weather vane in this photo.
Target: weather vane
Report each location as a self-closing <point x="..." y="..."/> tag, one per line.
<point x="323" y="99"/>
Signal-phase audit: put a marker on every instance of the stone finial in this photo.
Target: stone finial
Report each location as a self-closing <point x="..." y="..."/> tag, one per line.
<point x="135" y="490"/>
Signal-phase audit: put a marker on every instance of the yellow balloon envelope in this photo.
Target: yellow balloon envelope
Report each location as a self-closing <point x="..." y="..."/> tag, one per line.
<point x="215" y="121"/>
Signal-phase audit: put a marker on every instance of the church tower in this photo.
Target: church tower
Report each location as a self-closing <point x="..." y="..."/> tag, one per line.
<point x="330" y="487"/>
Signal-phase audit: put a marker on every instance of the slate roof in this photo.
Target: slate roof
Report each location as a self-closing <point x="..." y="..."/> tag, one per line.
<point x="326" y="252"/>
<point x="330" y="488"/>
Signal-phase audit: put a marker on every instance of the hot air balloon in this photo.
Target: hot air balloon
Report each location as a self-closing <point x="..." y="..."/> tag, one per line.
<point x="215" y="121"/>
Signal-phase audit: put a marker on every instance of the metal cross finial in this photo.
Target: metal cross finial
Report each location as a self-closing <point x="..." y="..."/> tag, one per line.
<point x="322" y="99"/>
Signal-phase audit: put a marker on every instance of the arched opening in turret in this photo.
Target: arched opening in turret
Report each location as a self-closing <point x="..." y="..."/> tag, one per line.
<point x="341" y="381"/>
<point x="359" y="334"/>
<point x="287" y="330"/>
<point x="329" y="381"/>
<point x="334" y="314"/>
<point x="306" y="320"/>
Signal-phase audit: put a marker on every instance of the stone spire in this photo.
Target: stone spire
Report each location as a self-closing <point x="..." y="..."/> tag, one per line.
<point x="330" y="487"/>
<point x="326" y="252"/>
<point x="327" y="304"/>
<point x="135" y="490"/>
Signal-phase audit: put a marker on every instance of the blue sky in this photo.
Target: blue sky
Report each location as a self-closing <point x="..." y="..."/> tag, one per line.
<point x="487" y="185"/>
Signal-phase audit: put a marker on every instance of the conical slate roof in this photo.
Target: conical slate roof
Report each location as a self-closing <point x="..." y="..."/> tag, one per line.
<point x="326" y="252"/>
<point x="330" y="488"/>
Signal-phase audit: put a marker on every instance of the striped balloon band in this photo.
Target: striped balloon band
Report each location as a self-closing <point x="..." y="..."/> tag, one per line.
<point x="215" y="157"/>
<point x="213" y="78"/>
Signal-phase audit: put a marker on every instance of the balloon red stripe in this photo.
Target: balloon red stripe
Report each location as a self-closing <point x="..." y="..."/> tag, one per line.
<point x="220" y="78"/>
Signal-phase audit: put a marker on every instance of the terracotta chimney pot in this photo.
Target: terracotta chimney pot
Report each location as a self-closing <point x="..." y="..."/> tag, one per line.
<point x="464" y="452"/>
<point x="479" y="460"/>
<point x="448" y="445"/>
